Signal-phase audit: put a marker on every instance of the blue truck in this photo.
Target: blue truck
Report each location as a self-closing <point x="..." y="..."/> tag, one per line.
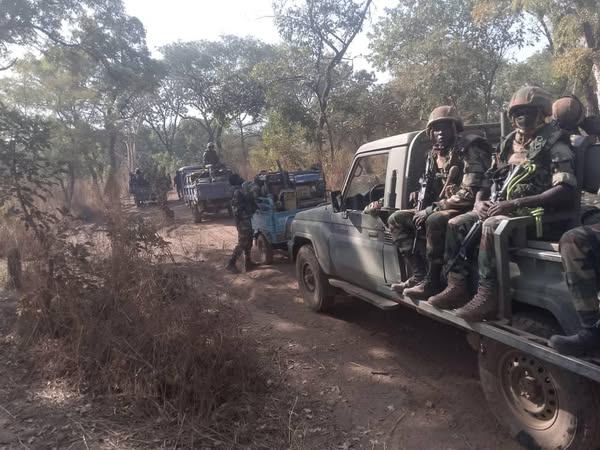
<point x="282" y="195"/>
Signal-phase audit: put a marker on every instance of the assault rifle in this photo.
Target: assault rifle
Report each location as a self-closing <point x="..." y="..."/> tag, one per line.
<point x="474" y="234"/>
<point x="425" y="193"/>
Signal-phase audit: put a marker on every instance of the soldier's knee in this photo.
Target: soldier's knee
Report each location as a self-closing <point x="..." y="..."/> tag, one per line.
<point x="492" y="223"/>
<point x="436" y="221"/>
<point x="400" y="219"/>
<point x="576" y="237"/>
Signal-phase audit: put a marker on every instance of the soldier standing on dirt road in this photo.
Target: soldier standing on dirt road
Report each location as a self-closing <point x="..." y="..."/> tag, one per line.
<point x="468" y="157"/>
<point x="244" y="207"/>
<point x="542" y="151"/>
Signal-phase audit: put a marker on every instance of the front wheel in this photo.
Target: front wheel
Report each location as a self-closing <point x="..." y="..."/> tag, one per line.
<point x="543" y="406"/>
<point x="265" y="250"/>
<point x="313" y="284"/>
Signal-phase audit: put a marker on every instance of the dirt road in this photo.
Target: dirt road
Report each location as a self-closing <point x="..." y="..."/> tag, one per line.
<point x="356" y="378"/>
<point x="363" y="378"/>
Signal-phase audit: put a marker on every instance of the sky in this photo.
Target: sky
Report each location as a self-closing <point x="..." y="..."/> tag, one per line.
<point x="188" y="20"/>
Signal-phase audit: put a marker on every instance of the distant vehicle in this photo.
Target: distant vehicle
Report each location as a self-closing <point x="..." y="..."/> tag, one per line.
<point x="144" y="194"/>
<point x="545" y="399"/>
<point x="180" y="175"/>
<point x="207" y="190"/>
<point x="283" y="194"/>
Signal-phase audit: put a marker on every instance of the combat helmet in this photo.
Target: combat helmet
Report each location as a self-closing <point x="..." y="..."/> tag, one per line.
<point x="442" y="113"/>
<point x="568" y="111"/>
<point x="531" y="96"/>
<point x="210" y="145"/>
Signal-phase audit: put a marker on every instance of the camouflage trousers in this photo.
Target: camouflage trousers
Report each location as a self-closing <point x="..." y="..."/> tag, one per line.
<point x="580" y="251"/>
<point x="458" y="228"/>
<point x="430" y="241"/>
<point x="245" y="238"/>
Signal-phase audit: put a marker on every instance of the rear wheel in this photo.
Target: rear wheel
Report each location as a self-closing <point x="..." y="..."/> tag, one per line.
<point x="312" y="281"/>
<point x="198" y="209"/>
<point x="265" y="250"/>
<point x="543" y="406"/>
<point x="197" y="214"/>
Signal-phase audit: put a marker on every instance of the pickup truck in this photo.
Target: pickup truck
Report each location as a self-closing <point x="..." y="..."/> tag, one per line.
<point x="207" y="190"/>
<point x="546" y="400"/>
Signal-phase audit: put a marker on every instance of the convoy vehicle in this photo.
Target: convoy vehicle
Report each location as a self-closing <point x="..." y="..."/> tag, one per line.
<point x="180" y="175"/>
<point x="282" y="195"/>
<point x="207" y="190"/>
<point x="546" y="400"/>
<point x="144" y="194"/>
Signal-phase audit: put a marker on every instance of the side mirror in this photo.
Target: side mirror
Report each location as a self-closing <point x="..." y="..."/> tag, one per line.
<point x="333" y="197"/>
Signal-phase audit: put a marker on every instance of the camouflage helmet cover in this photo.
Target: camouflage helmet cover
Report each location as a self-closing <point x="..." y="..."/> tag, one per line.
<point x="532" y="96"/>
<point x="443" y="113"/>
<point x="568" y="111"/>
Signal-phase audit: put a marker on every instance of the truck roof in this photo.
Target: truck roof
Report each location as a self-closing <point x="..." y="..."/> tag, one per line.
<point x="484" y="129"/>
<point x="388" y="142"/>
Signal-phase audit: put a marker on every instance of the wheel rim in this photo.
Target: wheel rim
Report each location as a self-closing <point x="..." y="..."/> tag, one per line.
<point x="308" y="278"/>
<point x="530" y="390"/>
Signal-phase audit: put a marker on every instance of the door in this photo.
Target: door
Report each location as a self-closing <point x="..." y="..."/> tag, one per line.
<point x="357" y="238"/>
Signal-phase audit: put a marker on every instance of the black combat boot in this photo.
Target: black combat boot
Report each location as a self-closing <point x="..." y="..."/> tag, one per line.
<point x="431" y="285"/>
<point x="484" y="305"/>
<point x="587" y="340"/>
<point x="419" y="268"/>
<point x="249" y="264"/>
<point x="231" y="267"/>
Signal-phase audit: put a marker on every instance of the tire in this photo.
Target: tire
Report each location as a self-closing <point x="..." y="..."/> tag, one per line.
<point x="197" y="213"/>
<point x="312" y="282"/>
<point x="542" y="406"/>
<point x="265" y="250"/>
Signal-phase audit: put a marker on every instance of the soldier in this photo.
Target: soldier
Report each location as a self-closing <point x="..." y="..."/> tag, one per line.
<point x="541" y="150"/>
<point x="569" y="113"/>
<point x="580" y="251"/>
<point x="244" y="207"/>
<point x="210" y="155"/>
<point x="457" y="166"/>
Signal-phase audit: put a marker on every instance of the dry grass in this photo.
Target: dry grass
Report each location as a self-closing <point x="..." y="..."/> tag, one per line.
<point x="128" y="324"/>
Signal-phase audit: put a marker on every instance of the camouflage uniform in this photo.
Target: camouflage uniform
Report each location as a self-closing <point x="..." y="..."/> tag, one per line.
<point x="472" y="156"/>
<point x="580" y="251"/>
<point x="554" y="166"/>
<point x="244" y="206"/>
<point x="211" y="157"/>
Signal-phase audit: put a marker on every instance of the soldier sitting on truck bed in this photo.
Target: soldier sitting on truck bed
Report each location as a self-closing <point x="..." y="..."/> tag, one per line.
<point x="210" y="156"/>
<point x="454" y="174"/>
<point x="580" y="251"/>
<point x="542" y="170"/>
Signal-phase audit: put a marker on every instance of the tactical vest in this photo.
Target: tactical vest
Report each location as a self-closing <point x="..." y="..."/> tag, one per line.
<point x="459" y="150"/>
<point x="539" y="153"/>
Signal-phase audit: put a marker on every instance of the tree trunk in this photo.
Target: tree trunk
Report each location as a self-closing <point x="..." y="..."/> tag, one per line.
<point x="15" y="270"/>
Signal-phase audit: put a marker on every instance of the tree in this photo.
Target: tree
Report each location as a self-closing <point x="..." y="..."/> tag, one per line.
<point x="571" y="29"/>
<point x="25" y="174"/>
<point x="321" y="31"/>
<point x="218" y="83"/>
<point x="445" y="53"/>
